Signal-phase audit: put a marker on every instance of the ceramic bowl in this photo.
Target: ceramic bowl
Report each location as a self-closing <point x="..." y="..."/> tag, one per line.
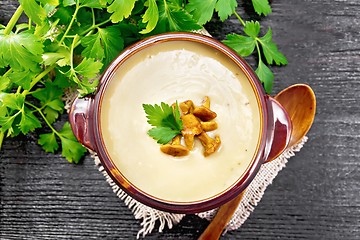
<point x="275" y="127"/>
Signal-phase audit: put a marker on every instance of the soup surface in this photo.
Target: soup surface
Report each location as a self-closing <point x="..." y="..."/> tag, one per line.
<point x="167" y="72"/>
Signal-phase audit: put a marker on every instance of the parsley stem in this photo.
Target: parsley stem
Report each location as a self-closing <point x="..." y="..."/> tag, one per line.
<point x="38" y="78"/>
<point x="2" y="134"/>
<point x="258" y="50"/>
<point x="72" y="52"/>
<point x="93" y="16"/>
<point x="13" y="20"/>
<point x="102" y="23"/>
<point x="71" y="23"/>
<point x="95" y="26"/>
<point x="43" y="116"/>
<point x="237" y="15"/>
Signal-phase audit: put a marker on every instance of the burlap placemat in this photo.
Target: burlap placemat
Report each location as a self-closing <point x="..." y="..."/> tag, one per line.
<point x="252" y="196"/>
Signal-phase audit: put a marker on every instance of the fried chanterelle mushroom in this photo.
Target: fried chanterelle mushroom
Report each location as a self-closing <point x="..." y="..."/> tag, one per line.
<point x="196" y="122"/>
<point x="175" y="148"/>
<point x="191" y="127"/>
<point x="203" y="112"/>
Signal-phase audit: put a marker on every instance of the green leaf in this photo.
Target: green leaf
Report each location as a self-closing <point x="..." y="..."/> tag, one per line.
<point x="2" y="95"/>
<point x="22" y="78"/>
<point x="88" y="67"/>
<point x="48" y="94"/>
<point x="72" y="150"/>
<point x="91" y="4"/>
<point x="67" y="3"/>
<point x="93" y="47"/>
<point x="202" y="10"/>
<point x="174" y="18"/>
<point x="49" y="8"/>
<point x="178" y="121"/>
<point x="104" y="2"/>
<point x="60" y="80"/>
<point x="112" y="43"/>
<point x="261" y="6"/>
<point x="33" y="10"/>
<point x="241" y="44"/>
<point x="50" y="98"/>
<point x="21" y="26"/>
<point x="64" y="14"/>
<point x="48" y="142"/>
<point x="5" y="83"/>
<point x="129" y="32"/>
<point x="6" y="124"/>
<point x="151" y="16"/>
<point x="252" y="28"/>
<point x="62" y="57"/>
<point x="166" y="121"/>
<point x="270" y="50"/>
<point x="87" y="87"/>
<point x="14" y="49"/>
<point x="225" y="8"/>
<point x="3" y="109"/>
<point x="163" y="135"/>
<point x="51" y="114"/>
<point x="15" y="129"/>
<point x="120" y="9"/>
<point x="67" y="132"/>
<point x="14" y="101"/>
<point x="265" y="76"/>
<point x="106" y="43"/>
<point x="41" y="30"/>
<point x="28" y="122"/>
<point x="56" y="105"/>
<point x="160" y="116"/>
<point x="50" y="2"/>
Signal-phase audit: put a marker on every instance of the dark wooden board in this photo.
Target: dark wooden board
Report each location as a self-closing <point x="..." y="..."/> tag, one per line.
<point x="316" y="196"/>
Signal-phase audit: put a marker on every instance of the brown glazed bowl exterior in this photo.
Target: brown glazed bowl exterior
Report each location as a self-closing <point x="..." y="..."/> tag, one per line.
<point x="275" y="124"/>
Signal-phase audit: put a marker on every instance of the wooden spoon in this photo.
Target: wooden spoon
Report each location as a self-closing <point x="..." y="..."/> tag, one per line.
<point x="299" y="101"/>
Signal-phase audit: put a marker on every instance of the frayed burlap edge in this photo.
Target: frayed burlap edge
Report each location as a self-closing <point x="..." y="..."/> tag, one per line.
<point x="252" y="196"/>
<point x="256" y="189"/>
<point x="149" y="215"/>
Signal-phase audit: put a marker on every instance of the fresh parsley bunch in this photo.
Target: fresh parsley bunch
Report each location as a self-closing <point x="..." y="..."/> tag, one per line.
<point x="67" y="43"/>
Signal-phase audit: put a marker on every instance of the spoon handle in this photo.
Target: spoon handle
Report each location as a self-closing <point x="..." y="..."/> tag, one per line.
<point x="222" y="217"/>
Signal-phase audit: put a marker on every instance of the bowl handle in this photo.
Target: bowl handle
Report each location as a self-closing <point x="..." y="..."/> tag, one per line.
<point x="80" y="117"/>
<point x="282" y="130"/>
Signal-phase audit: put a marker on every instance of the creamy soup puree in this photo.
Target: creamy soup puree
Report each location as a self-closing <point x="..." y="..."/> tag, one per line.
<point x="166" y="72"/>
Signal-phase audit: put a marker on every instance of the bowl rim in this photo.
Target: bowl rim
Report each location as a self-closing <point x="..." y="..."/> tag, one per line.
<point x="166" y="205"/>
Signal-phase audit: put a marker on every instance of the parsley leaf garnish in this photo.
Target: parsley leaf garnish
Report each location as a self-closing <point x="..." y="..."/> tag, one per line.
<point x="165" y="120"/>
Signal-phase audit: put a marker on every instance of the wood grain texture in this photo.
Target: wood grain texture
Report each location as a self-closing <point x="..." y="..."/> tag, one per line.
<point x="316" y="196"/>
